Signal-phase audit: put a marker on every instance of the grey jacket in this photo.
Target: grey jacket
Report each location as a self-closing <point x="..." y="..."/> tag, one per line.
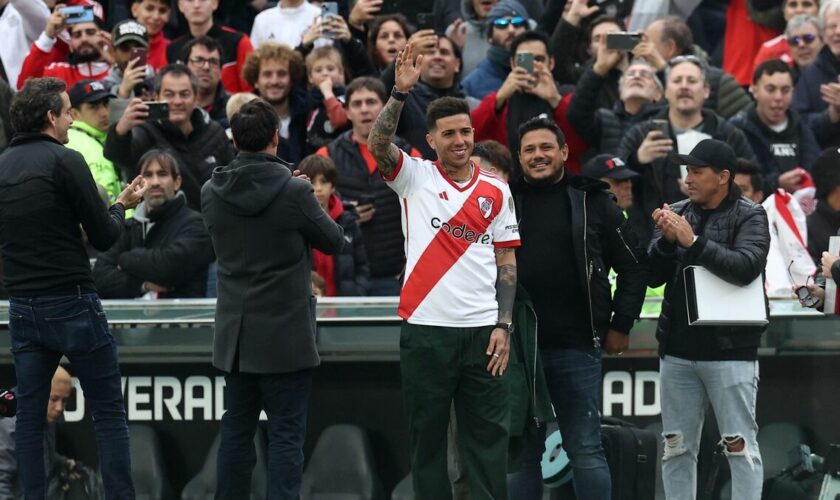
<point x="10" y="488"/>
<point x="263" y="223"/>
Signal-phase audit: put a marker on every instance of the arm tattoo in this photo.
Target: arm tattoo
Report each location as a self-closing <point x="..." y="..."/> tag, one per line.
<point x="506" y="289"/>
<point x="381" y="138"/>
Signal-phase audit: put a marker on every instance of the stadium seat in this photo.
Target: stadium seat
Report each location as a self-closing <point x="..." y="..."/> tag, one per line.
<point x="203" y="485"/>
<point x="342" y="467"/>
<point x="147" y="468"/>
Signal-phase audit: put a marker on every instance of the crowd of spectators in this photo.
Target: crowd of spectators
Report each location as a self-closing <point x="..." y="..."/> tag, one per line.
<point x="328" y="75"/>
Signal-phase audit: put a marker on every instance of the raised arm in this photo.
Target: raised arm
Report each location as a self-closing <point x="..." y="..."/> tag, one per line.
<point x="381" y="138"/>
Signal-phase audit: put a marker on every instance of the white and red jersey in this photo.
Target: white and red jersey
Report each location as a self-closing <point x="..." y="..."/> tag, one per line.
<point x="450" y="232"/>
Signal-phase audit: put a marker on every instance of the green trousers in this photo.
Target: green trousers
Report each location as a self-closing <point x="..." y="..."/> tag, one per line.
<point x="440" y="365"/>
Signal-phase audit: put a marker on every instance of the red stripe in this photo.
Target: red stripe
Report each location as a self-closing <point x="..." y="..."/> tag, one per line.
<point x="507" y="244"/>
<point x="784" y="211"/>
<point x="445" y="250"/>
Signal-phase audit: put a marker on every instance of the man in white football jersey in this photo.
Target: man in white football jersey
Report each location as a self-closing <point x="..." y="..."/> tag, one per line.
<point x="457" y="297"/>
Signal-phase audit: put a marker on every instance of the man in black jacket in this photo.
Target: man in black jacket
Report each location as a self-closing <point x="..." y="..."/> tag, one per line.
<point x="359" y="182"/>
<point x="46" y="193"/>
<point x="645" y="147"/>
<point x="198" y="143"/>
<point x="263" y="223"/>
<point x="572" y="235"/>
<point x="165" y="249"/>
<point x="824" y="222"/>
<point x="728" y="235"/>
<point x="782" y="142"/>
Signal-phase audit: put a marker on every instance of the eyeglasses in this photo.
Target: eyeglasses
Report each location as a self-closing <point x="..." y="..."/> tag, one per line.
<point x="88" y="32"/>
<point x="516" y="22"/>
<point x="797" y="40"/>
<point x="201" y="61"/>
<point x="802" y="292"/>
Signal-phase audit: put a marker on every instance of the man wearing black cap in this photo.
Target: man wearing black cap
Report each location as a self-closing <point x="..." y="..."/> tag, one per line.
<point x="728" y="235"/>
<point x="129" y="69"/>
<point x="612" y="170"/>
<point x="89" y="106"/>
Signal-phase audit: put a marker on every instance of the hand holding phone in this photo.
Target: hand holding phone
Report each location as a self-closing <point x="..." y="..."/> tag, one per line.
<point x="139" y="53"/>
<point x="158" y="110"/>
<point x="76" y="14"/>
<point x="525" y="60"/>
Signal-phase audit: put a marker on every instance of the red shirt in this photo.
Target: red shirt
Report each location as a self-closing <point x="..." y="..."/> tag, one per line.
<point x="742" y="41"/>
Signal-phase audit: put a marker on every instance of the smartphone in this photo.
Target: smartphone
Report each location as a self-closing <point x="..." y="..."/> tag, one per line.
<point x="525" y="60"/>
<point x="139" y="53"/>
<point x="662" y="126"/>
<point x="425" y="21"/>
<point x="329" y="9"/>
<point x="623" y="40"/>
<point x="77" y="14"/>
<point x="158" y="110"/>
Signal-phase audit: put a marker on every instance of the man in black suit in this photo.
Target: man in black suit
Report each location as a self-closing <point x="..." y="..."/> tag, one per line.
<point x="263" y="222"/>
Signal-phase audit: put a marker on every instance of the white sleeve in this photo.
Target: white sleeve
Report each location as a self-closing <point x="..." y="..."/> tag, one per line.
<point x="505" y="225"/>
<point x="257" y="32"/>
<point x="406" y="174"/>
<point x="33" y="15"/>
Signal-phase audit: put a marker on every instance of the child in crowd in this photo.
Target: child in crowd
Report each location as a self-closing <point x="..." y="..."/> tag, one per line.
<point x="346" y="273"/>
<point x="153" y="15"/>
<point x="328" y="118"/>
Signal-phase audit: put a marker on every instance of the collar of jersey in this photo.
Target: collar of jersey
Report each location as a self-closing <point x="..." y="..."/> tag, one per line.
<point x="453" y="183"/>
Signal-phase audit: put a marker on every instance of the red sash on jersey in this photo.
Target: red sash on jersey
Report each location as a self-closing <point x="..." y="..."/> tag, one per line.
<point x="445" y="250"/>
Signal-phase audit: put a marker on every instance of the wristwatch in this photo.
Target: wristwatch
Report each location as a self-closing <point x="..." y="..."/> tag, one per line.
<point x="399" y="96"/>
<point x="505" y="326"/>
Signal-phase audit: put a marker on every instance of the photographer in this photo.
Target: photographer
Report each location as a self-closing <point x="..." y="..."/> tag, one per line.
<point x="197" y="142"/>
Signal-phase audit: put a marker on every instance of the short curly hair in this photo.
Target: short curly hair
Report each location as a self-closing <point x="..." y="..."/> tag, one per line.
<point x="32" y="103"/>
<point x="270" y="51"/>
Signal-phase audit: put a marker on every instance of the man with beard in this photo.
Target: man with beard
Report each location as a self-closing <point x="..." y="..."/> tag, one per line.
<point x="165" y="248"/>
<point x="523" y="96"/>
<point x="276" y="72"/>
<point x="506" y="21"/>
<point x="203" y="55"/>
<point x="88" y="57"/>
<point x="455" y="338"/>
<point x="645" y="147"/>
<point x="783" y="144"/>
<point x="197" y="142"/>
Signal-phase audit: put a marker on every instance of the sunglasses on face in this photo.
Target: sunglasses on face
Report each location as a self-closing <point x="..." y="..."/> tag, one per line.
<point x="806" y="39"/>
<point x="516" y="22"/>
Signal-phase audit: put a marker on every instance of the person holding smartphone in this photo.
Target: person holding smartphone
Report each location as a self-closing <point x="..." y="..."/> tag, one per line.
<point x="131" y="44"/>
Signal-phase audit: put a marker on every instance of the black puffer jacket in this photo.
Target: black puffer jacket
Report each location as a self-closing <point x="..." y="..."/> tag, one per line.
<point x="169" y="246"/>
<point x="602" y="128"/>
<point x="658" y="183"/>
<point x="733" y="245"/>
<point x="197" y="154"/>
<point x="383" y="234"/>
<point x="601" y="242"/>
<point x="352" y="272"/>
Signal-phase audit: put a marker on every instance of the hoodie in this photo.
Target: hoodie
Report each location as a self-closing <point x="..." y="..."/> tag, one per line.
<point x="263" y="224"/>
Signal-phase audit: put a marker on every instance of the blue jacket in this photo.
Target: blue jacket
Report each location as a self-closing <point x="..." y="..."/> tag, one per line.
<point x="485" y="78"/>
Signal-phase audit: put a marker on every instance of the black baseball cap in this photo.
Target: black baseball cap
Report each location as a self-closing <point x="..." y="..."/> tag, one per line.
<point x="608" y="166"/>
<point x="129" y="30"/>
<point x="709" y="153"/>
<point x="89" y="91"/>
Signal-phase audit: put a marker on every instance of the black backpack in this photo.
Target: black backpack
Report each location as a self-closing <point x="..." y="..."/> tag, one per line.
<point x="79" y="483"/>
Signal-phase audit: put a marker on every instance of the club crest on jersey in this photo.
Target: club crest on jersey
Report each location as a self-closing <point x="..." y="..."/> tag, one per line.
<point x="485" y="206"/>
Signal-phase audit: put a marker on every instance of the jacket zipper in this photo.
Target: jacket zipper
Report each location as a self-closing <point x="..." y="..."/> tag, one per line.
<point x="620" y="235"/>
<point x="595" y="341"/>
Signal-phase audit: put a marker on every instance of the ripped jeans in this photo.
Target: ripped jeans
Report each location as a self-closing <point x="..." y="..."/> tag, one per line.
<point x="686" y="388"/>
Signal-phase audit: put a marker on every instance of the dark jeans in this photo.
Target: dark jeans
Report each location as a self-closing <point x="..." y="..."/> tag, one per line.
<point x="285" y="399"/>
<point x="42" y="329"/>
<point x="574" y="382"/>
